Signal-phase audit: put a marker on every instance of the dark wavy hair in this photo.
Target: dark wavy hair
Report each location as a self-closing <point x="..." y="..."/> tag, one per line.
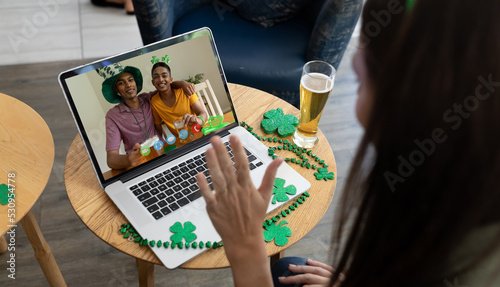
<point x="434" y="176"/>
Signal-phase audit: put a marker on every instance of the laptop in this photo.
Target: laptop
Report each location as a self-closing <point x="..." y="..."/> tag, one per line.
<point x="161" y="191"/>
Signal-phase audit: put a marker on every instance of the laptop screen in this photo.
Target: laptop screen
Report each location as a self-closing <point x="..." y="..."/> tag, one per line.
<point x="136" y="107"/>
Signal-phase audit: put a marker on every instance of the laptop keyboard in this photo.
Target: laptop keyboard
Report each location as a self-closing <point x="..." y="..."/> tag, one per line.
<point x="169" y="190"/>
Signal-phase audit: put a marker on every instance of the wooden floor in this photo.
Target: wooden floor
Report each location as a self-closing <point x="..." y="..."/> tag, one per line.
<point x="87" y="261"/>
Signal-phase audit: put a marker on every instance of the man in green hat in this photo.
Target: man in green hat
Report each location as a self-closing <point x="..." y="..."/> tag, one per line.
<point x="131" y="120"/>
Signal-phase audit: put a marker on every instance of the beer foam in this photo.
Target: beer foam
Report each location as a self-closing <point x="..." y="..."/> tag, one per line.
<point x="316" y="82"/>
<point x="149" y="142"/>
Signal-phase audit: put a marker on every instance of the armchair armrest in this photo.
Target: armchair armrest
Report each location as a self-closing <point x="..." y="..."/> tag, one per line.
<point x="156" y="18"/>
<point x="332" y="30"/>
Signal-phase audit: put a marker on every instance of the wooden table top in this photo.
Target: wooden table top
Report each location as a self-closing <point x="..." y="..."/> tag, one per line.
<point x="103" y="218"/>
<point x="27" y="151"/>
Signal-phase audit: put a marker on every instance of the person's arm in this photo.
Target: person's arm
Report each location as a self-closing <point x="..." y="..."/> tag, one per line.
<point x="159" y="129"/>
<point x="199" y="110"/>
<point x="121" y="161"/>
<point x="237" y="210"/>
<point x="188" y="88"/>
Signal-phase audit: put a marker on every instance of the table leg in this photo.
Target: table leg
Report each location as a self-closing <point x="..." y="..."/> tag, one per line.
<point x="277" y="257"/>
<point x="3" y="244"/>
<point x="146" y="273"/>
<point x="42" y="251"/>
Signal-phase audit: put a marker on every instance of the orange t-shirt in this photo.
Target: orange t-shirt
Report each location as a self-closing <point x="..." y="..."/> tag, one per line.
<point x="182" y="106"/>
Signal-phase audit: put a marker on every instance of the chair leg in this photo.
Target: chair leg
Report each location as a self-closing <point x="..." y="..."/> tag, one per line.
<point x="146" y="273"/>
<point x="3" y="244"/>
<point x="277" y="257"/>
<point x="42" y="251"/>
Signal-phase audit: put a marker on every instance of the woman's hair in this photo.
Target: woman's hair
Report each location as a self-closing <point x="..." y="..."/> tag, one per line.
<point x="435" y="126"/>
<point x="161" y="64"/>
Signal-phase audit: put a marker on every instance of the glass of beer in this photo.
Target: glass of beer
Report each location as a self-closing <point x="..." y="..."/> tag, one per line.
<point x="153" y="153"/>
<point x="316" y="84"/>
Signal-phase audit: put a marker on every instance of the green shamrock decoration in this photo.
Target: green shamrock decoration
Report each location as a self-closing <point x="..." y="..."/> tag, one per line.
<point x="185" y="232"/>
<point x="324" y="174"/>
<point x="166" y="59"/>
<point x="214" y="123"/>
<point x="4" y="194"/>
<point x="280" y="192"/>
<point x="277" y="120"/>
<point x="279" y="233"/>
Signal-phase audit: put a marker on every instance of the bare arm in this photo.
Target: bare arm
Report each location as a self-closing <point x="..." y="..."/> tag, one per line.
<point x="122" y="161"/>
<point x="199" y="110"/>
<point x="188" y="88"/>
<point x="159" y="129"/>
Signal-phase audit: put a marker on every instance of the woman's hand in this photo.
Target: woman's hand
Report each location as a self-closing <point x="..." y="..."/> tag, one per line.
<point x="313" y="274"/>
<point x="237" y="210"/>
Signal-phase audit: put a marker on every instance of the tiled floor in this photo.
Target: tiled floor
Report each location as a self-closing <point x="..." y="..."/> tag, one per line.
<point x="34" y="31"/>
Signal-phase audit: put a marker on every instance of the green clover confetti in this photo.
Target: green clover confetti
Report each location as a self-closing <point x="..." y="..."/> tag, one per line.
<point x="280" y="192"/>
<point x="276" y="120"/>
<point x="185" y="232"/>
<point x="324" y="174"/>
<point x="4" y="194"/>
<point x="279" y="233"/>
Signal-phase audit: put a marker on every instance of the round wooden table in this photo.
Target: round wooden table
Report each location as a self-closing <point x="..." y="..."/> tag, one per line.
<point x="103" y="218"/>
<point x="27" y="155"/>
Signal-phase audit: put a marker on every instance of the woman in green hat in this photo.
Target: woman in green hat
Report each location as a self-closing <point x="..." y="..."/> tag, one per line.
<point x="131" y="120"/>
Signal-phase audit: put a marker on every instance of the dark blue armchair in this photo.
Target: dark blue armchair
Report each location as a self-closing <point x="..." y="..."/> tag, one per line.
<point x="266" y="58"/>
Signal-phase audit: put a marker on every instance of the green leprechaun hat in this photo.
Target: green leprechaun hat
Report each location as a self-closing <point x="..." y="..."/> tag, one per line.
<point x="110" y="74"/>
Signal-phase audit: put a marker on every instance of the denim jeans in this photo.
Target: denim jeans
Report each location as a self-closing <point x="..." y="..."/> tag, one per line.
<point x="280" y="269"/>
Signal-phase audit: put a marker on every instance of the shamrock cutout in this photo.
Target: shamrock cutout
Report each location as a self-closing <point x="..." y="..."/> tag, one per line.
<point x="155" y="60"/>
<point x="279" y="233"/>
<point x="277" y="120"/>
<point x="166" y="59"/>
<point x="185" y="232"/>
<point x="214" y="123"/>
<point x="280" y="192"/>
<point x="324" y="174"/>
<point x="4" y="194"/>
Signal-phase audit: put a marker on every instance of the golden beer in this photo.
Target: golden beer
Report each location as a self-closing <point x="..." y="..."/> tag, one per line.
<point x="153" y="152"/>
<point x="315" y="88"/>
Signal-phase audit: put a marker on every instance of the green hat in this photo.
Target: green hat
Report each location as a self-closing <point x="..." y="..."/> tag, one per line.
<point x="110" y="74"/>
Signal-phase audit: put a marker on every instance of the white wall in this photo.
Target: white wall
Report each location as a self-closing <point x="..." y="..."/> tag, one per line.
<point x="92" y="113"/>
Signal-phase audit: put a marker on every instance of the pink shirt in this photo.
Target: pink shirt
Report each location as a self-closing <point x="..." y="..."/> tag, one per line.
<point x="121" y="124"/>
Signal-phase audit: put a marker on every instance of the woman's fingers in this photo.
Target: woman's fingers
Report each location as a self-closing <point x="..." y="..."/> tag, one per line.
<point x="269" y="177"/>
<point x="320" y="264"/>
<point x="220" y="160"/>
<point x="205" y="190"/>
<point x="218" y="178"/>
<point x="240" y="161"/>
<point x="306" y="269"/>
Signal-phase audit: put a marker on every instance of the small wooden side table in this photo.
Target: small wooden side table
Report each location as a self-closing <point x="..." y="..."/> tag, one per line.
<point x="27" y="155"/>
<point x="103" y="218"/>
